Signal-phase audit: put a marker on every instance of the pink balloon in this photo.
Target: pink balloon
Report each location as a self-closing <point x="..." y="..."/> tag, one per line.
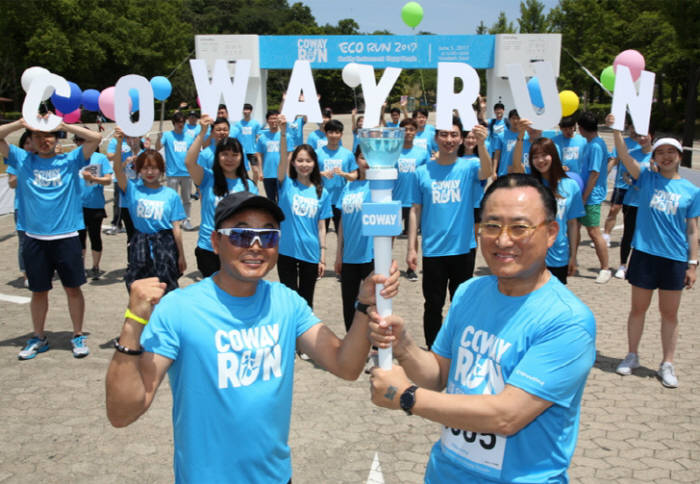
<point x="198" y="103"/>
<point x="106" y="103"/>
<point x="72" y="117"/>
<point x="633" y="60"/>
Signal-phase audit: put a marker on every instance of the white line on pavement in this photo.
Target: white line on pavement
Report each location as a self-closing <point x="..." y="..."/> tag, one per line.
<point x="14" y="299"/>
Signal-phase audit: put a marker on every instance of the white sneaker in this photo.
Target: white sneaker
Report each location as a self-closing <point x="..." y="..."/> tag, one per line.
<point x="603" y="276"/>
<point x="626" y="366"/>
<point x="621" y="272"/>
<point x="667" y="375"/>
<point x="186" y="225"/>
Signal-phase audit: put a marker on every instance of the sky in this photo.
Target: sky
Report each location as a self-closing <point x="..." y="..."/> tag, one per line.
<point x="446" y="17"/>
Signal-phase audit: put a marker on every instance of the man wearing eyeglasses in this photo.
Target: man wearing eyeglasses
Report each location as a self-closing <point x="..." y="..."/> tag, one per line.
<point x="514" y="354"/>
<point x="228" y="344"/>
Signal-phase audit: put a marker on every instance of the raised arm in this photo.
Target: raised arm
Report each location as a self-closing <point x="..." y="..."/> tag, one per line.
<point x="630" y="163"/>
<point x="5" y="131"/>
<point x="481" y="134"/>
<point x="118" y="164"/>
<point x="194" y="169"/>
<point x="92" y="138"/>
<point x="517" y="166"/>
<point x="132" y="380"/>
<point x="412" y="252"/>
<point x="283" y="166"/>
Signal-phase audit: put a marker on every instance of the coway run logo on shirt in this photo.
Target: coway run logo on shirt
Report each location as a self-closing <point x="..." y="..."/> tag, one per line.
<point x="570" y="153"/>
<point x="352" y="202"/>
<point x="665" y="201"/>
<point x="151" y="209"/>
<point x="479" y="361"/>
<point x="446" y="191"/>
<point x="331" y="164"/>
<point x="247" y="355"/>
<point x="180" y="146"/>
<point x="48" y="178"/>
<point x="304" y="207"/>
<point x="407" y="165"/>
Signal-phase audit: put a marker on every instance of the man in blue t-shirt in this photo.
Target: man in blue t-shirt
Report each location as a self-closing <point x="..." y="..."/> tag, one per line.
<point x="570" y="145"/>
<point x="228" y="344"/>
<point x="513" y="355"/>
<point x="249" y="129"/>
<point x="594" y="172"/>
<point x="267" y="152"/>
<point x="443" y="202"/>
<point x="175" y="144"/>
<point x="51" y="214"/>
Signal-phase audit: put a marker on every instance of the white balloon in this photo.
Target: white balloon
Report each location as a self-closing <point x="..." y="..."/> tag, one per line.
<point x="30" y="74"/>
<point x="351" y="75"/>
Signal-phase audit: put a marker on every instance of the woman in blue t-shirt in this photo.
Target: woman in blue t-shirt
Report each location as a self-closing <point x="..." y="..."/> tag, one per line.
<point x="228" y="175"/>
<point x="306" y="205"/>
<point x="355" y="253"/>
<point x="546" y="166"/>
<point x="665" y="248"/>
<point x="156" y="248"/>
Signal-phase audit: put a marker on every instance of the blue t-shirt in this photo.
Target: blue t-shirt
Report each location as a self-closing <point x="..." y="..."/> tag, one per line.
<point x="153" y="209"/>
<point x="507" y="143"/>
<point x="18" y="227"/>
<point x="318" y="139"/>
<point x="269" y="147"/>
<point x="48" y="190"/>
<point x="542" y="343"/>
<point x="595" y="159"/>
<point x="296" y="130"/>
<point x="328" y="160"/>
<point x="302" y="210"/>
<point x="248" y="134"/>
<point x="664" y="207"/>
<point x="446" y="194"/>
<point x="93" y="195"/>
<point x="409" y="161"/>
<point x="209" y="202"/>
<point x="357" y="248"/>
<point x="391" y="124"/>
<point x="192" y="130"/>
<point x="620" y="174"/>
<point x="175" y="146"/>
<point x="496" y="129"/>
<point x="569" y="206"/>
<point x="570" y="151"/>
<point x="231" y="378"/>
<point x="632" y="194"/>
<point x="426" y="139"/>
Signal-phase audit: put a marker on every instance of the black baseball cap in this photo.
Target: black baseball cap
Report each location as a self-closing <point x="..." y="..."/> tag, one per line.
<point x="238" y="201"/>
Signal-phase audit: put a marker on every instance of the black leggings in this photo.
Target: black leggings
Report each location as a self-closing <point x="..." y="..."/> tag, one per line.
<point x="337" y="213"/>
<point x="352" y="275"/>
<point x="271" y="190"/>
<point x="93" y="223"/>
<point x="559" y="272"/>
<point x="298" y="275"/>
<point x="439" y="274"/>
<point x="629" y="218"/>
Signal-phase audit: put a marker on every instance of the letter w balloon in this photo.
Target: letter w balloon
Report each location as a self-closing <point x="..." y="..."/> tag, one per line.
<point x="548" y="87"/>
<point x="625" y="95"/>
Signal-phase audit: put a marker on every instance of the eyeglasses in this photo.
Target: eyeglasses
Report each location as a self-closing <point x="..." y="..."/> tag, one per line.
<point x="517" y="231"/>
<point x="245" y="238"/>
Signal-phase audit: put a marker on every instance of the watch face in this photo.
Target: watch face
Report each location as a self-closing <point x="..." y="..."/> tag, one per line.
<point x="408" y="399"/>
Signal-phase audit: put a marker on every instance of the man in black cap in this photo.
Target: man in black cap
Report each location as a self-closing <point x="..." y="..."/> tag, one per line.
<point x="228" y="344"/>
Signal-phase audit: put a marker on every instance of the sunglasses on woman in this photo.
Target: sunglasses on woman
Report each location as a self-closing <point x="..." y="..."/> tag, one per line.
<point x="245" y="238"/>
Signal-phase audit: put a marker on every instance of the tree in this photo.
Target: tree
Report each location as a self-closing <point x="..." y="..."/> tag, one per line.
<point x="532" y="18"/>
<point x="502" y="26"/>
<point x="482" y="29"/>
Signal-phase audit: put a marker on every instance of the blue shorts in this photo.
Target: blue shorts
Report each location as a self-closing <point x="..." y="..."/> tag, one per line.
<point x="653" y="272"/>
<point x="44" y="257"/>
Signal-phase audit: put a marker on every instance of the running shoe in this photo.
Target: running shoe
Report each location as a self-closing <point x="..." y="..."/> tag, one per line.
<point x="34" y="346"/>
<point x="603" y="276"/>
<point x="80" y="349"/>
<point x="667" y="375"/>
<point x="621" y="272"/>
<point x="626" y="366"/>
<point x="411" y="275"/>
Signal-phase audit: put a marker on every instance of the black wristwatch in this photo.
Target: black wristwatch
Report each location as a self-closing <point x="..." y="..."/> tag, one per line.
<point x="408" y="399"/>
<point x="362" y="307"/>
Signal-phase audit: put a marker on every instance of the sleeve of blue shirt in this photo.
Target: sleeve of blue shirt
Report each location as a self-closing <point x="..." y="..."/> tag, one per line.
<point x="326" y="209"/>
<point x="597" y="158"/>
<point x="178" y="210"/>
<point x="577" y="209"/>
<point x="16" y="157"/>
<point x="559" y="360"/>
<point x="694" y="209"/>
<point x="160" y="335"/>
<point x="351" y="163"/>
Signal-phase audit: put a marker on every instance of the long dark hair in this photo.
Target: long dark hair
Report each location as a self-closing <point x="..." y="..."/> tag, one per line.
<point x="556" y="171"/>
<point x="220" y="185"/>
<point x="315" y="176"/>
<point x="461" y="150"/>
<point x="360" y="175"/>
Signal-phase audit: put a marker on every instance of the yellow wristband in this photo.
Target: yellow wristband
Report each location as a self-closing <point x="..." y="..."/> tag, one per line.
<point x="129" y="315"/>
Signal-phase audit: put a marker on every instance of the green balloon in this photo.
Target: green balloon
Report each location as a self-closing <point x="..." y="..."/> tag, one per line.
<point x="607" y="78"/>
<point x="412" y="14"/>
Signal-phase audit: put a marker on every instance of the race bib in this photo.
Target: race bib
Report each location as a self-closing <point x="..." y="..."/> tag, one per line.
<point x="480" y="452"/>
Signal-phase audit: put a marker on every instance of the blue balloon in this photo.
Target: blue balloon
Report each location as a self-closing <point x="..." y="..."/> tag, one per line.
<point x="134" y="95"/>
<point x="161" y="88"/>
<point x="533" y="87"/>
<point x="90" y="99"/>
<point x="577" y="178"/>
<point x="68" y="104"/>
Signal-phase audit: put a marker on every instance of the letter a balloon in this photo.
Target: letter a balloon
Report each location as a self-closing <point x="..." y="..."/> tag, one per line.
<point x="412" y="14"/>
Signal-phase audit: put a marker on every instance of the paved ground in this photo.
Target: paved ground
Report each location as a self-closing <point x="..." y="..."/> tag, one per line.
<point x="54" y="427"/>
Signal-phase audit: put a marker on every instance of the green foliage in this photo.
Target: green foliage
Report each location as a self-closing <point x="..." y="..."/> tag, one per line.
<point x="532" y="18"/>
<point x="502" y="25"/>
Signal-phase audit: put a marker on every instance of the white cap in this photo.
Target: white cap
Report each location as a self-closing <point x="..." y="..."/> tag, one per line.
<point x="667" y="141"/>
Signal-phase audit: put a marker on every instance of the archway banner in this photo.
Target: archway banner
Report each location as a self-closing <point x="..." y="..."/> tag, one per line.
<point x="404" y="51"/>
